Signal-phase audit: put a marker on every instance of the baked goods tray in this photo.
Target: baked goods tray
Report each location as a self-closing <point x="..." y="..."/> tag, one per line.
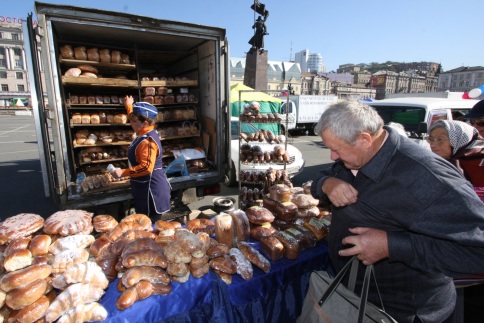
<point x="112" y="186"/>
<point x="99" y="81"/>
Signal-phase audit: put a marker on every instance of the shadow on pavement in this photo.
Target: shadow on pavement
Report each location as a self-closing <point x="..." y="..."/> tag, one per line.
<point x="22" y="190"/>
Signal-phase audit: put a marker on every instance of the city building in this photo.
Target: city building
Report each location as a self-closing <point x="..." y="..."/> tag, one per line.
<point x="348" y="69"/>
<point x="310" y="63"/>
<point x="279" y="75"/>
<point x="14" y="81"/>
<point x="461" y="79"/>
<point x="313" y="84"/>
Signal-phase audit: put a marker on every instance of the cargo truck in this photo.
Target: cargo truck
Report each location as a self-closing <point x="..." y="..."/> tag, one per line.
<point x="181" y="68"/>
<point x="305" y="110"/>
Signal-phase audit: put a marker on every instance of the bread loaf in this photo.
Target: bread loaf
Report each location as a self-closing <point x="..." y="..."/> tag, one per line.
<point x="241" y="224"/>
<point x="150" y="91"/>
<point x="280" y="192"/>
<point x="226" y="278"/>
<point x="224" y="264"/>
<point x="243" y="265"/>
<point x="67" y="52"/>
<point x="145" y="258"/>
<point x="24" y="276"/>
<point x="141" y="219"/>
<point x="259" y="215"/>
<point x="257" y="232"/>
<point x="139" y="245"/>
<point x="272" y="248"/>
<point x="88" y="68"/>
<point x="140" y="291"/>
<point x="224" y="229"/>
<point x="73" y="72"/>
<point x="17" y="260"/>
<point x="99" y="246"/>
<point x="104" y="223"/>
<point x="120" y="118"/>
<point x="304" y="201"/>
<point x="218" y="250"/>
<point x="84" y="313"/>
<point x="39" y="245"/>
<point x="125" y="58"/>
<point x="93" y="54"/>
<point x="16" y="244"/>
<point x="67" y="222"/>
<point x="80" y="53"/>
<point x="175" y="253"/>
<point x="190" y="242"/>
<point x="20" y="225"/>
<point x="105" y="55"/>
<point x="68" y="258"/>
<point x="76" y="118"/>
<point x="115" y="57"/>
<point x="148" y="273"/>
<point x="200" y="271"/>
<point x="286" y="211"/>
<point x="87" y="272"/>
<point x="26" y="294"/>
<point x="319" y="227"/>
<point x="304" y="237"/>
<point x="73" y="242"/>
<point x="72" y="296"/>
<point x="34" y="311"/>
<point x="177" y="269"/>
<point x="254" y="256"/>
<point x="291" y="246"/>
<point x="199" y="262"/>
<point x="86" y="118"/>
<point x="95" y="118"/>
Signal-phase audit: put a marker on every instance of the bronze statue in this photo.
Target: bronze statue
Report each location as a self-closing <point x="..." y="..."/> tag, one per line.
<point x="257" y="41"/>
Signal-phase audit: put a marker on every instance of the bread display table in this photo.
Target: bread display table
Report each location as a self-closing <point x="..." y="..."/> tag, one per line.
<point x="273" y="297"/>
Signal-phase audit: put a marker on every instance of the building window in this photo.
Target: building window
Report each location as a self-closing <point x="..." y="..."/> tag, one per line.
<point x="17" y="52"/>
<point x="15" y="37"/>
<point x="3" y="75"/>
<point x="479" y="75"/>
<point x="1" y="35"/>
<point x="19" y="63"/>
<point x="2" y="51"/>
<point x="5" y="87"/>
<point x="2" y="62"/>
<point x="19" y="75"/>
<point x="20" y="88"/>
<point x="461" y="77"/>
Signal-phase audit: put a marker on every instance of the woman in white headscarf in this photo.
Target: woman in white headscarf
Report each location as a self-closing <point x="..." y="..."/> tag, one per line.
<point x="461" y="144"/>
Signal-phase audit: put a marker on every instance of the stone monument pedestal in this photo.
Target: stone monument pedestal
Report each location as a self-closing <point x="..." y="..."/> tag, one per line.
<point x="255" y="75"/>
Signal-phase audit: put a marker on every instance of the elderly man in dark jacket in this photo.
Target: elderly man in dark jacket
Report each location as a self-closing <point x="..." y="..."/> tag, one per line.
<point x="402" y="208"/>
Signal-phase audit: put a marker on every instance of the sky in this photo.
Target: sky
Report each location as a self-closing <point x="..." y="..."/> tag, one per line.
<point x="343" y="32"/>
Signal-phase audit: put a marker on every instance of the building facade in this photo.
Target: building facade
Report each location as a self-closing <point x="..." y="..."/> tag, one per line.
<point x="14" y="83"/>
<point x="461" y="79"/>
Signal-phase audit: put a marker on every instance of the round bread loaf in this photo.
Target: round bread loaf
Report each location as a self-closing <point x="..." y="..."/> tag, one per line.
<point x="88" y="68"/>
<point x="68" y="222"/>
<point x="19" y="226"/>
<point x="259" y="215"/>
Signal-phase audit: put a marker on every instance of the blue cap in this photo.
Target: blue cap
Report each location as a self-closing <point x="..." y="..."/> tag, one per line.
<point x="145" y="109"/>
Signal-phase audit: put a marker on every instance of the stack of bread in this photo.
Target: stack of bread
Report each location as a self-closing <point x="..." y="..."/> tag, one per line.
<point x="37" y="263"/>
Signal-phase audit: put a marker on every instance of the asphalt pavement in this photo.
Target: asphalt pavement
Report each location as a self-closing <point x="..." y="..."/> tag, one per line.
<point x="22" y="189"/>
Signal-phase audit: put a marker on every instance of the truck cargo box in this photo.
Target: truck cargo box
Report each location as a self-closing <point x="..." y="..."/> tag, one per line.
<point x="81" y="123"/>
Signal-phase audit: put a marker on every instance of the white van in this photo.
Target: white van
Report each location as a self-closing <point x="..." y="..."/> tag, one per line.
<point x="416" y="114"/>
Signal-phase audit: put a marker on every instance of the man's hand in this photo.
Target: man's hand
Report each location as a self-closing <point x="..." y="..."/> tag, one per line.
<point x="117" y="173"/>
<point x="370" y="245"/>
<point x="339" y="192"/>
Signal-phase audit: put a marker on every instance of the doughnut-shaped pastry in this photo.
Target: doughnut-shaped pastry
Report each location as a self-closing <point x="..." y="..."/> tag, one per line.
<point x="104" y="223"/>
<point x="201" y="225"/>
<point x="139" y="218"/>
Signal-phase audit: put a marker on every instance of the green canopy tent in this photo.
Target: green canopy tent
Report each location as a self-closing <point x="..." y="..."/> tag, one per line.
<point x="268" y="104"/>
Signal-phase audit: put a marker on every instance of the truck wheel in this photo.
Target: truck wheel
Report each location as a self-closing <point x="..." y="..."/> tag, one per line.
<point x="231" y="178"/>
<point x="314" y="129"/>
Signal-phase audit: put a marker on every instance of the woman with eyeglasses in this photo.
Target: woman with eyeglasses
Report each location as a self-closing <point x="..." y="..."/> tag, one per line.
<point x="476" y="117"/>
<point x="460" y="144"/>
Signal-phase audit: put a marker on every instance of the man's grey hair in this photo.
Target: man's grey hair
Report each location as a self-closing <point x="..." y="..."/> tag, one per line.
<point x="347" y="119"/>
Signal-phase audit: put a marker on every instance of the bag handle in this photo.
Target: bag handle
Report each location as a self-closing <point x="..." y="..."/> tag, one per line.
<point x="354" y="263"/>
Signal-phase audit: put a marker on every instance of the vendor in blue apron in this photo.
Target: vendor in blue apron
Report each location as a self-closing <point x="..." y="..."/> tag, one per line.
<point x="149" y="185"/>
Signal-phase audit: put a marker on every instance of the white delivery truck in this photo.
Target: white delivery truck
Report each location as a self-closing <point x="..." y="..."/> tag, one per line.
<point x="81" y="125"/>
<point x="305" y="110"/>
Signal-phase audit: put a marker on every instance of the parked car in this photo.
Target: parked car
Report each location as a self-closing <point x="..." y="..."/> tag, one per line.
<point x="294" y="167"/>
<point x="416" y="114"/>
